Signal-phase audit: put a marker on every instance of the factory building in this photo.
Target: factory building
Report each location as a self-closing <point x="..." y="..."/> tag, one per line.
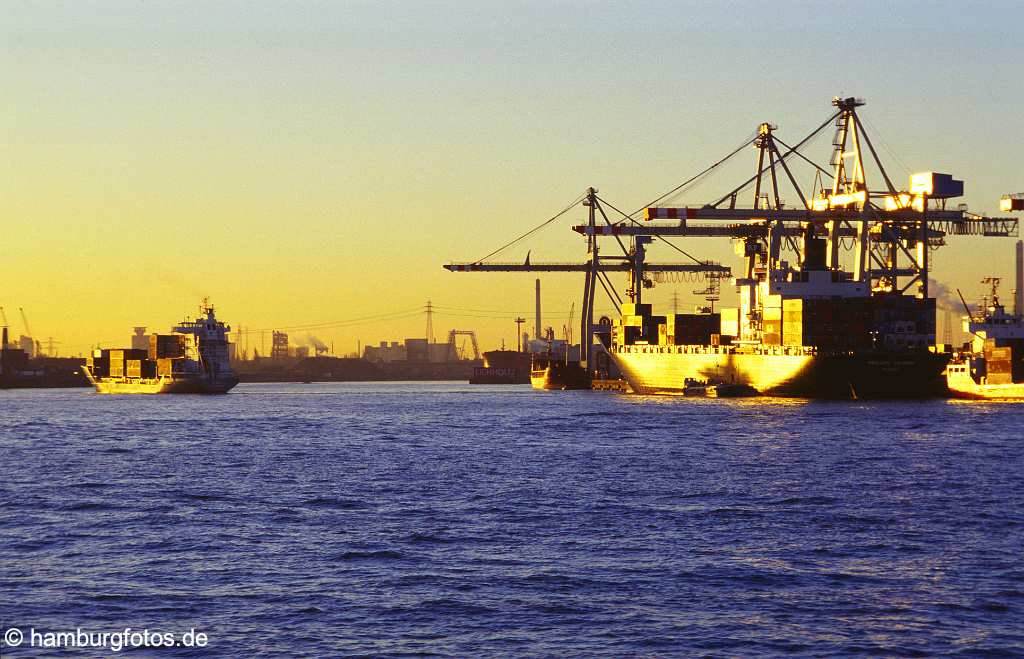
<point x="412" y="350"/>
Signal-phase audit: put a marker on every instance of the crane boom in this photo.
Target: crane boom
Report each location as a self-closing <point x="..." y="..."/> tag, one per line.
<point x="24" y="320"/>
<point x="623" y="266"/>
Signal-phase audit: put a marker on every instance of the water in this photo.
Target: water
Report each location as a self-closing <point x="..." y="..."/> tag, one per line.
<point x="393" y="519"/>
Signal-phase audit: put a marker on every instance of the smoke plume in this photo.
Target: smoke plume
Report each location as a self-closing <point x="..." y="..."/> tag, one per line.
<point x="316" y="343"/>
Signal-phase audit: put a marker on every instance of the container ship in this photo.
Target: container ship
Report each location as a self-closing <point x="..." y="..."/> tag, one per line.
<point x="874" y="347"/>
<point x="193" y="359"/>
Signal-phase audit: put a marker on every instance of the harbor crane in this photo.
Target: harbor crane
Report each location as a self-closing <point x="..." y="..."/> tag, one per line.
<point x="596" y="269"/>
<point x="453" y="350"/>
<point x="892" y="231"/>
<point x="24" y="321"/>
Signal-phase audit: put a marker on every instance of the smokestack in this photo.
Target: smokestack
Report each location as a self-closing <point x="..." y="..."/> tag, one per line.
<point x="1018" y="297"/>
<point x="3" y="346"/>
<point x="536" y="328"/>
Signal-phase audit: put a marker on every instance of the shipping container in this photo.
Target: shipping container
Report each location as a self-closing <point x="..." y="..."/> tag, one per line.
<point x="166" y="345"/>
<point x="630" y="309"/>
<point x="122" y="354"/>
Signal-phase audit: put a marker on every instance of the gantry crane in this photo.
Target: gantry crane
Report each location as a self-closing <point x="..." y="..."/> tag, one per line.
<point x="892" y="231"/>
<point x="453" y="350"/>
<point x="596" y="269"/>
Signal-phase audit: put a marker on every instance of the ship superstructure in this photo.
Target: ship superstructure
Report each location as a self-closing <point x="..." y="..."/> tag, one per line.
<point x="195" y="358"/>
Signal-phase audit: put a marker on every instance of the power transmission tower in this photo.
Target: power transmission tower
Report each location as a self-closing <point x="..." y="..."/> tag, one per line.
<point x="430" y="323"/>
<point x="519" y="334"/>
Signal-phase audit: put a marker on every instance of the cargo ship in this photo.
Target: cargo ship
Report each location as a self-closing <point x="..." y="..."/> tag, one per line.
<point x="20" y="371"/>
<point x="193" y="359"/>
<point x="503" y="367"/>
<point x="993" y="366"/>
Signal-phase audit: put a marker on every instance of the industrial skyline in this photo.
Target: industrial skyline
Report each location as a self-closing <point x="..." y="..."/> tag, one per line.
<point x="309" y="167"/>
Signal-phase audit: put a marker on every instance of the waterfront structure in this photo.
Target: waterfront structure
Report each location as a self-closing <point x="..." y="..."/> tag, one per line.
<point x="807" y="324"/>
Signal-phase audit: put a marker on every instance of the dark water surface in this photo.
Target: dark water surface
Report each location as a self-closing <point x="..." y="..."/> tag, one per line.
<point x="402" y="519"/>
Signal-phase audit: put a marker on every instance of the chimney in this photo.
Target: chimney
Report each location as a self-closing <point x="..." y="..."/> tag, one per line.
<point x="1018" y="296"/>
<point x="536" y="328"/>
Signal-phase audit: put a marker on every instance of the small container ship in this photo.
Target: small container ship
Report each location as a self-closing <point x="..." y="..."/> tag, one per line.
<point x="993" y="368"/>
<point x="193" y="359"/>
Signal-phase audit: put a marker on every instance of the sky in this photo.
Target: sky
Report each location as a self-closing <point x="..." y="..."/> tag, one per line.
<point x="315" y="163"/>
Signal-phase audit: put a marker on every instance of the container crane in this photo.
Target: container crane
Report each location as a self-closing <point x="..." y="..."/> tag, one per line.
<point x="893" y="231"/>
<point x="596" y="269"/>
<point x="24" y="321"/>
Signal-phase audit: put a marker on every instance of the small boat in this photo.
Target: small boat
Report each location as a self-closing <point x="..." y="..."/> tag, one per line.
<point x="993" y="368"/>
<point x="696" y="388"/>
<point x="962" y="384"/>
<point x="558" y="374"/>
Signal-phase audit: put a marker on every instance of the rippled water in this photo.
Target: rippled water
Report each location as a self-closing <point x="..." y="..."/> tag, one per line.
<point x="387" y="519"/>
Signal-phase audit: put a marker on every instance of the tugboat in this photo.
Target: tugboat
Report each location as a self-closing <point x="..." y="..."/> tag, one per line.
<point x="555" y="373"/>
<point x="193" y="359"/>
<point x="554" y="370"/>
<point x="993" y="367"/>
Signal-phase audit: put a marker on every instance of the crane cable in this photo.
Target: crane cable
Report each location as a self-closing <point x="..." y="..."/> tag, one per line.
<point x="381" y="317"/>
<point x="746" y="142"/>
<point x="661" y="238"/>
<point x="535" y="229"/>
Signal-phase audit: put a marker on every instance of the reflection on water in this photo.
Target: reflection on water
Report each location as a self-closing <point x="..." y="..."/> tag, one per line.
<point x="444" y="518"/>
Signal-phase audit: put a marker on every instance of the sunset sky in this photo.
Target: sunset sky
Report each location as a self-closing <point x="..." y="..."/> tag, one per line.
<point x="317" y="162"/>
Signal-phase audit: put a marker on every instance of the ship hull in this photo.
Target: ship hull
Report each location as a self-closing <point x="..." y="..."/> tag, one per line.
<point x="164" y="385"/>
<point x="558" y="375"/>
<point x="962" y="385"/>
<point x="842" y="376"/>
